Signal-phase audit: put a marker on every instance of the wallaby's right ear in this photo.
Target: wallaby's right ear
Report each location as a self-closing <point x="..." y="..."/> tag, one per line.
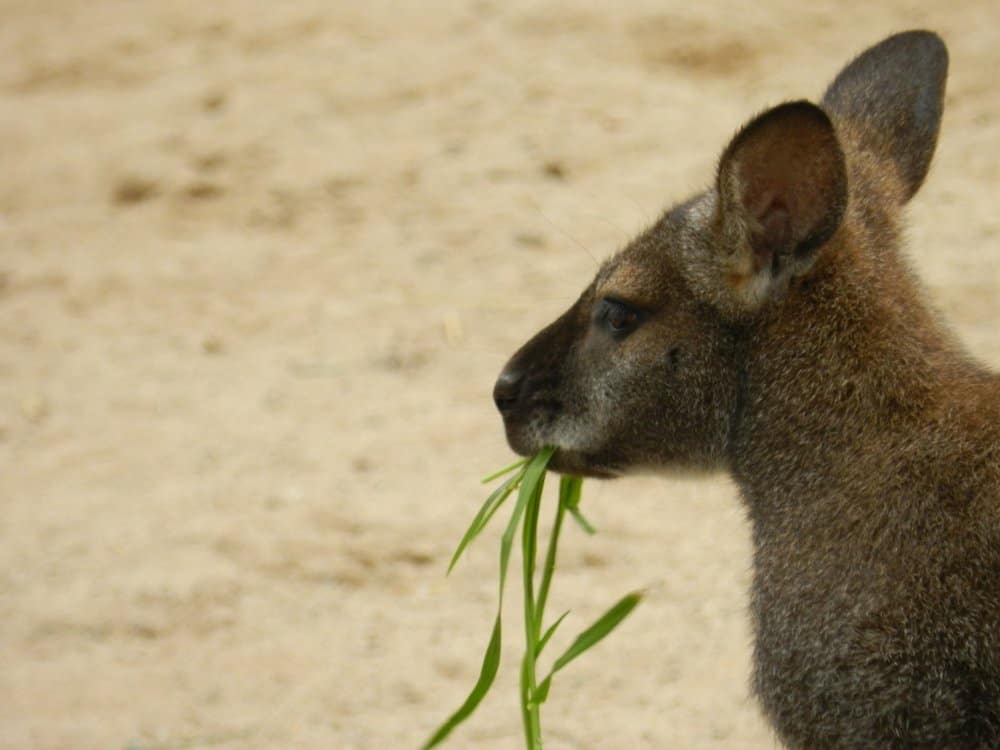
<point x="891" y="98"/>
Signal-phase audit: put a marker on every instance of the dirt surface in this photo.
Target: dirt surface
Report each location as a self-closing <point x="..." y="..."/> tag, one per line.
<point x="259" y="266"/>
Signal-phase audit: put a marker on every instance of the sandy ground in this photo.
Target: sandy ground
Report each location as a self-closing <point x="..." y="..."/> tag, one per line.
<point x="259" y="266"/>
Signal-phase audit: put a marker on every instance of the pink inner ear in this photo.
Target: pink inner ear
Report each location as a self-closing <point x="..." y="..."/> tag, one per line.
<point x="776" y="228"/>
<point x="783" y="176"/>
<point x="758" y="199"/>
<point x="768" y="205"/>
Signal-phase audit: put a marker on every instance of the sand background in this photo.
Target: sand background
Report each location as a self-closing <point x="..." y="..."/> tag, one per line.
<point x="259" y="266"/>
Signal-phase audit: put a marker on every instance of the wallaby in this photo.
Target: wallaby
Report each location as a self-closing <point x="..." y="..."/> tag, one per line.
<point x="770" y="327"/>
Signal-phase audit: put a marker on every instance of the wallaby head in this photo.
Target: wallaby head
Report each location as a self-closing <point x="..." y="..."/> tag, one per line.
<point x="770" y="327"/>
<point x="644" y="371"/>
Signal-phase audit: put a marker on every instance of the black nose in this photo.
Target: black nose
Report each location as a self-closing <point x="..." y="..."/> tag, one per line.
<point x="507" y="390"/>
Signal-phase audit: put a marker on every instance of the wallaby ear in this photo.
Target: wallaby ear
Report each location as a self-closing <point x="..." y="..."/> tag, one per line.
<point x="782" y="191"/>
<point x="892" y="96"/>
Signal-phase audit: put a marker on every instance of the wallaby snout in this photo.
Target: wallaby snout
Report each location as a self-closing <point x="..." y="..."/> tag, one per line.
<point x="770" y="327"/>
<point x="507" y="390"/>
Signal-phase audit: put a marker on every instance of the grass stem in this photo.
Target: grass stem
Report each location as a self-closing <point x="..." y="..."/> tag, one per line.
<point x="550" y="561"/>
<point x="529" y="546"/>
<point x="529" y="480"/>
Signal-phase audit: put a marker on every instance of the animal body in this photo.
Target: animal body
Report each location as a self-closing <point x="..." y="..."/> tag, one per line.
<point x="771" y="328"/>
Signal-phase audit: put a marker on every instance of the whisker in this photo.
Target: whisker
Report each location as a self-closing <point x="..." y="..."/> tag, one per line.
<point x="644" y="216"/>
<point x="567" y="235"/>
<point x="626" y="235"/>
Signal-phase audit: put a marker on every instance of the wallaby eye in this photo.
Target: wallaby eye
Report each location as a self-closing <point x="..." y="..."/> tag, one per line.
<point x="616" y="316"/>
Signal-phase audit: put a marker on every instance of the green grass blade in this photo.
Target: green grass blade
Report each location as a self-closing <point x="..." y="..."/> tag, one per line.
<point x="566" y="485"/>
<point x="492" y="504"/>
<point x="529" y="481"/>
<point x="601" y="627"/>
<point x="570" y="489"/>
<point x="505" y="470"/>
<point x="529" y="547"/>
<point x="532" y="730"/>
<point x="582" y="522"/>
<point x="534" y="470"/>
<point x="529" y="542"/>
<point x="531" y="488"/>
<point x="548" y="633"/>
<point x="590" y="638"/>
<point x="542" y="691"/>
<point x="491" y="663"/>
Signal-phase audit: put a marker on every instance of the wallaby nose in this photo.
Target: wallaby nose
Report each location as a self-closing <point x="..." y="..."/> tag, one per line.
<point x="507" y="390"/>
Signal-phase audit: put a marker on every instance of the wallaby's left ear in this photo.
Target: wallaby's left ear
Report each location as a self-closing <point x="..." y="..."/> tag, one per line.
<point x="892" y="97"/>
<point x="782" y="192"/>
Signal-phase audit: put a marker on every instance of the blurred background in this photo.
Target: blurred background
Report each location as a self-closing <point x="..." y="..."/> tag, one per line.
<point x="260" y="264"/>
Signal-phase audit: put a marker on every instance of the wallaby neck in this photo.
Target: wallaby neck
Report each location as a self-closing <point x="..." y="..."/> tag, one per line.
<point x="851" y="366"/>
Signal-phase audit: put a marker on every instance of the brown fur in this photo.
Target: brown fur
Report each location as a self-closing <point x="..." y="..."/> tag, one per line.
<point x="771" y="328"/>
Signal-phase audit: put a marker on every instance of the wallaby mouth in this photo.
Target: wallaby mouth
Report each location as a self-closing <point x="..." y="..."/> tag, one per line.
<point x="586" y="466"/>
<point x="527" y="437"/>
<point x="581" y="465"/>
